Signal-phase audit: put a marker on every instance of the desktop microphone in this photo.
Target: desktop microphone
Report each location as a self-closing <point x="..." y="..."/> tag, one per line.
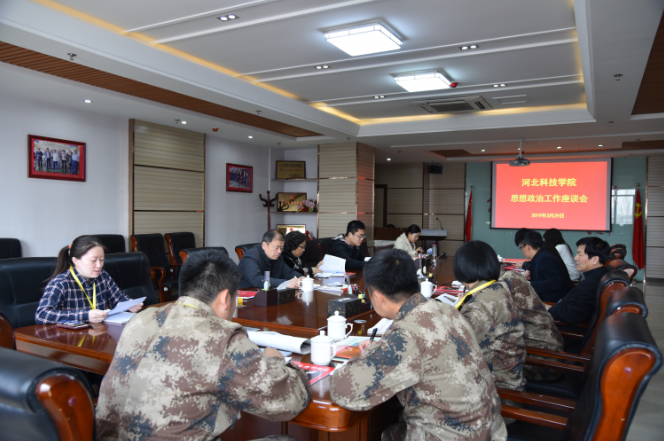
<point x="441" y="224"/>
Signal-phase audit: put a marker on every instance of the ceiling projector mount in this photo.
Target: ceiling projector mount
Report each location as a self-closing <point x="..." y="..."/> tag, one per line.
<point x="520" y="161"/>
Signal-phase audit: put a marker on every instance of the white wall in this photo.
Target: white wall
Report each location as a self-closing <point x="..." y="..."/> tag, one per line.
<point x="46" y="215"/>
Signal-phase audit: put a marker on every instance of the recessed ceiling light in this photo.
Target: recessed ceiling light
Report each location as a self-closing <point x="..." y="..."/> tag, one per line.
<point x="503" y="85"/>
<point x="496" y="85"/>
<point x="223" y="18"/>
<point x="464" y="48"/>
<point x="474" y="46"/>
<point x="228" y="17"/>
<point x="87" y="101"/>
<point x="382" y="96"/>
<point x="366" y="39"/>
<point x="319" y="67"/>
<point x="232" y="16"/>
<point x="600" y="145"/>
<point x="250" y="137"/>
<point x="183" y="122"/>
<point x="423" y="81"/>
<point x="325" y="66"/>
<point x="483" y="150"/>
<point x="376" y="97"/>
<point x="558" y="147"/>
<point x="389" y="159"/>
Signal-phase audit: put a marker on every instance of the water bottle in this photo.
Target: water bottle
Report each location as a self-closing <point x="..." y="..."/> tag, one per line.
<point x="266" y="283"/>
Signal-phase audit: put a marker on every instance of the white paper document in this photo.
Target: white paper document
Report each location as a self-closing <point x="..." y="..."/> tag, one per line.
<point x="447" y="298"/>
<point x="124" y="306"/>
<point x="120" y="318"/>
<point x="281" y="342"/>
<point x="333" y="264"/>
<point x="383" y="325"/>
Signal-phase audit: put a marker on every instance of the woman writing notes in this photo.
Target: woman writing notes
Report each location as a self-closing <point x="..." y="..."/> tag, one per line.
<point x="407" y="241"/>
<point x="294" y="248"/>
<point x="80" y="290"/>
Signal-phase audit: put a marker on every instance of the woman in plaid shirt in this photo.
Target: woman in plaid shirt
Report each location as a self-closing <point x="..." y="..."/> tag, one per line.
<point x="80" y="289"/>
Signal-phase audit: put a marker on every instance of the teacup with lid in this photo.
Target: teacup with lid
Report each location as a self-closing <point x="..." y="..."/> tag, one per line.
<point x="336" y="327"/>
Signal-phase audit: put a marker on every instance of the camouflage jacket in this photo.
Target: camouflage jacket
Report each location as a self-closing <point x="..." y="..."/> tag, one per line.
<point x="495" y="319"/>
<point x="182" y="373"/>
<point x="540" y="330"/>
<point x="431" y="361"/>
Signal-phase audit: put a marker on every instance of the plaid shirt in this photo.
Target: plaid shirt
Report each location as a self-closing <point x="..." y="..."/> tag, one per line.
<point x="63" y="299"/>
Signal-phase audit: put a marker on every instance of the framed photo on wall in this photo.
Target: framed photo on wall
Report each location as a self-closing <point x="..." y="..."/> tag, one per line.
<point x="291" y="170"/>
<point x="287" y="228"/>
<point x="52" y="158"/>
<point x="289" y="201"/>
<point x="239" y="178"/>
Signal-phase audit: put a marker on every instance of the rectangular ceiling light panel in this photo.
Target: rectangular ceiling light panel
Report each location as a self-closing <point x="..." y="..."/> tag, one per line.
<point x="367" y="39"/>
<point x="423" y="81"/>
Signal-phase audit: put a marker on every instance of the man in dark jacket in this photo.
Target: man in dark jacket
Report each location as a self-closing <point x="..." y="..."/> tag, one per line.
<point x="348" y="246"/>
<point x="578" y="306"/>
<point x="266" y="256"/>
<point x="548" y="273"/>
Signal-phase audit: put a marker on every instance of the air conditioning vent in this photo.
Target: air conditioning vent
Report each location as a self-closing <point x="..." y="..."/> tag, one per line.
<point x="454" y="105"/>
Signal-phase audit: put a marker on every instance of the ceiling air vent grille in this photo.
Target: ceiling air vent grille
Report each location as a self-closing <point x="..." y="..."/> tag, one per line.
<point x="454" y="105"/>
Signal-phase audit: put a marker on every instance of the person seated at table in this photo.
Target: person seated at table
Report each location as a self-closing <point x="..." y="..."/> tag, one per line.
<point x="578" y="306"/>
<point x="266" y="256"/>
<point x="429" y="359"/>
<point x="547" y="271"/>
<point x="540" y="331"/>
<point x="185" y="371"/>
<point x="492" y="313"/>
<point x="348" y="246"/>
<point x="406" y="241"/>
<point x="79" y="289"/>
<point x="518" y="238"/>
<point x="294" y="248"/>
<point x="553" y="237"/>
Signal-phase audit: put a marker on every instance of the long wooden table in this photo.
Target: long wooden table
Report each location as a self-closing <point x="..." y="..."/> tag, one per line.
<point x="92" y="350"/>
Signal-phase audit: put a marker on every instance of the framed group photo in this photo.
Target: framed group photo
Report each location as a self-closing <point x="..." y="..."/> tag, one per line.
<point x="52" y="158"/>
<point x="239" y="178"/>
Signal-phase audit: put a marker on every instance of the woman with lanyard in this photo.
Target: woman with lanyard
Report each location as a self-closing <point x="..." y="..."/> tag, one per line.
<point x="80" y="290"/>
<point x="492" y="313"/>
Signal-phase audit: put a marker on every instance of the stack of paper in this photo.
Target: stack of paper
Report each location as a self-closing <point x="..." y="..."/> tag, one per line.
<point x="118" y="314"/>
<point x="383" y="325"/>
<point x="333" y="264"/>
<point x="281" y="342"/>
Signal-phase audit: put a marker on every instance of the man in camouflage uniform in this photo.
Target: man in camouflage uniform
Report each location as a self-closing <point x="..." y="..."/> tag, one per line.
<point x="540" y="330"/>
<point x="185" y="371"/>
<point x="429" y="359"/>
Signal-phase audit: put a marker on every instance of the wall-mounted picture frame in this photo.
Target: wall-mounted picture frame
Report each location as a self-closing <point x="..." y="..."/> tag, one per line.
<point x="291" y="170"/>
<point x="239" y="178"/>
<point x="287" y="228"/>
<point x="53" y="158"/>
<point x="288" y="202"/>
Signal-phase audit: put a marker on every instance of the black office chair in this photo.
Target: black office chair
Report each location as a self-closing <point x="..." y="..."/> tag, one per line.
<point x="325" y="245"/>
<point x="131" y="272"/>
<point x="6" y="333"/>
<point x="154" y="246"/>
<point x="114" y="243"/>
<point x="186" y="253"/>
<point x="177" y="242"/>
<point x="312" y="253"/>
<point x="10" y="248"/>
<point x="241" y="249"/>
<point x="42" y="400"/>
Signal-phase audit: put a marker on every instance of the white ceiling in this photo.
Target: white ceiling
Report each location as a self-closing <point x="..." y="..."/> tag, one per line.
<point x="557" y="55"/>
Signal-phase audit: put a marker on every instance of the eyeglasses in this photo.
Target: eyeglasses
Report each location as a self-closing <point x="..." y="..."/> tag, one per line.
<point x="302" y="247"/>
<point x="520" y="246"/>
<point x="361" y="236"/>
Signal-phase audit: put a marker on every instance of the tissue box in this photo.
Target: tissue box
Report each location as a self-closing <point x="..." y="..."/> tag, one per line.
<point x="274" y="297"/>
<point x="347" y="306"/>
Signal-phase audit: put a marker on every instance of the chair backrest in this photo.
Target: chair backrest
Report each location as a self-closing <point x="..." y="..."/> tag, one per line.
<point x="43" y="400"/>
<point x="312" y="253"/>
<point x="618" y="253"/>
<point x="154" y="246"/>
<point x="364" y="246"/>
<point x="185" y="253"/>
<point x="6" y="333"/>
<point x="610" y="283"/>
<point x="241" y="249"/>
<point x="325" y="245"/>
<point x="131" y="272"/>
<point x="177" y="242"/>
<point x="621" y="265"/>
<point x="114" y="243"/>
<point x="10" y="248"/>
<point x="22" y="283"/>
<point x="625" y="358"/>
<point x="630" y="299"/>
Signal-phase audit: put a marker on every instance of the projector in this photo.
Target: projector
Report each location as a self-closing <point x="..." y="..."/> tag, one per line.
<point x="519" y="162"/>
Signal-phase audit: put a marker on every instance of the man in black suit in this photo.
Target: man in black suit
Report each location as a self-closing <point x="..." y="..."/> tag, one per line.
<point x="348" y="246"/>
<point x="547" y="271"/>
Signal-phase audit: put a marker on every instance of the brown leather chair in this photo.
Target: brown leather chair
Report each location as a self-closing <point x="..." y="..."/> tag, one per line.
<point x="176" y="242"/>
<point x="241" y="249"/>
<point x="185" y="253"/>
<point x="6" y="333"/>
<point x="621" y="265"/>
<point x="161" y="269"/>
<point x="621" y="367"/>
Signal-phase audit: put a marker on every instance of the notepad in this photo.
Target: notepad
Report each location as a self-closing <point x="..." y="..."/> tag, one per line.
<point x="120" y="318"/>
<point x="124" y="306"/>
<point x="383" y="325"/>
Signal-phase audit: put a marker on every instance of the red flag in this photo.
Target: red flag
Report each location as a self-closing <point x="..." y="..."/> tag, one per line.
<point x="469" y="217"/>
<point x="637" y="240"/>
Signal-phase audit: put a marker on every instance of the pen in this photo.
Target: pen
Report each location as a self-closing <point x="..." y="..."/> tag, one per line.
<point x="373" y="334"/>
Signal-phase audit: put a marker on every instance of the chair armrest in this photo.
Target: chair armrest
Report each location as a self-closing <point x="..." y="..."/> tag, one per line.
<point x="555" y="365"/>
<point x="548" y="401"/>
<point x="559" y="354"/>
<point x="155" y="272"/>
<point x="580" y="325"/>
<point x="571" y="334"/>
<point x="535" y="417"/>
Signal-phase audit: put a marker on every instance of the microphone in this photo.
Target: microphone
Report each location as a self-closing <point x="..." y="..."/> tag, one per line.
<point x="441" y="224"/>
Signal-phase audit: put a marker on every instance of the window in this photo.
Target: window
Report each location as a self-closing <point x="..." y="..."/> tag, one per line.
<point x="622" y="206"/>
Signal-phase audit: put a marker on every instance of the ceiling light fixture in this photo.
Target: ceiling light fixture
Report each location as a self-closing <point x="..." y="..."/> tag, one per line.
<point x="324" y="66"/>
<point x="483" y="150"/>
<point x="559" y="147"/>
<point x="362" y="40"/>
<point x="228" y="17"/>
<point x="422" y="81"/>
<point x="466" y="47"/>
<point x="183" y="122"/>
<point x="87" y="101"/>
<point x="389" y="159"/>
<point x="600" y="145"/>
<point x="232" y="16"/>
<point x="474" y="46"/>
<point x="376" y="97"/>
<point x="250" y="137"/>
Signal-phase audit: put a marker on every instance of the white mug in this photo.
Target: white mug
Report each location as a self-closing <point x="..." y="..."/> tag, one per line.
<point x="322" y="349"/>
<point x="336" y="327"/>
<point x="427" y="289"/>
<point x="307" y="297"/>
<point x="306" y="284"/>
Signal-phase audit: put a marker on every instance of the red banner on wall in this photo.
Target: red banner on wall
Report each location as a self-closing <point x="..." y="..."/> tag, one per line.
<point x="637" y="240"/>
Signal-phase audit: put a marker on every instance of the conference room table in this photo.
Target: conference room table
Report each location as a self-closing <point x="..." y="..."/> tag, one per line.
<point x="92" y="349"/>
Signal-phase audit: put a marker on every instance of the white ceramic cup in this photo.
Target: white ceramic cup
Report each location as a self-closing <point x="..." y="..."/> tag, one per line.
<point x="322" y="349"/>
<point x="336" y="327"/>
<point x="306" y="284"/>
<point x="427" y="289"/>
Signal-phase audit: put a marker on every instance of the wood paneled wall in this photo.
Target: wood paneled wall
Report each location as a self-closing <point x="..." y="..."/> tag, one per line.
<point x="167" y="180"/>
<point x="345" y="188"/>
<point x="654" y="218"/>
<point x="414" y="196"/>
